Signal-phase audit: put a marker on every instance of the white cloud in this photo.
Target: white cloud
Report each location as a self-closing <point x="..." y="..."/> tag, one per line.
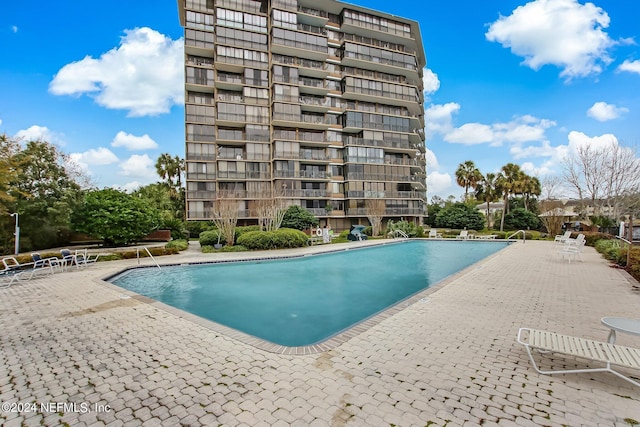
<point x="438" y="118"/>
<point x="14" y="29"/>
<point x="129" y="187"/>
<point x="132" y="142"/>
<point x="470" y="134"/>
<point x="543" y="150"/>
<point x="579" y="139"/>
<point x="39" y="133"/>
<point x="144" y="75"/>
<point x="138" y="166"/>
<point x="94" y="157"/>
<point x="564" y="33"/>
<point x="430" y="82"/>
<point x="517" y="131"/>
<point x="439" y="184"/>
<point x="432" y="161"/>
<point x="99" y="156"/>
<point x="601" y="111"/>
<point x="630" y="66"/>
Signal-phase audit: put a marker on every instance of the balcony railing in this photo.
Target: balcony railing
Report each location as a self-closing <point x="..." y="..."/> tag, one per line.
<point x="385" y="195"/>
<point x="387" y="211"/>
<point x="300" y="45"/>
<point x="305" y="193"/>
<point x="301" y="174"/>
<point x="380" y="177"/>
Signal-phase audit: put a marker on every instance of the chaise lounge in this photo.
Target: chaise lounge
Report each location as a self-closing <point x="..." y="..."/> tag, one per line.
<point x="609" y="354"/>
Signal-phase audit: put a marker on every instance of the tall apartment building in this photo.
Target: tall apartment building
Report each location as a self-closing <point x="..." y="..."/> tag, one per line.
<point x="316" y="102"/>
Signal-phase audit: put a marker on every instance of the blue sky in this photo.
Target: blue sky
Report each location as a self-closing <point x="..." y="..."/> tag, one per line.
<point x="506" y="81"/>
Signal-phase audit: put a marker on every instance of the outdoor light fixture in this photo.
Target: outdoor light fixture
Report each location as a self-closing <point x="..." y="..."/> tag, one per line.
<point x="17" y="234"/>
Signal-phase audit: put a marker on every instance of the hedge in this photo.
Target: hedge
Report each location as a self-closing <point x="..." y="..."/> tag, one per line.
<point x="279" y="239"/>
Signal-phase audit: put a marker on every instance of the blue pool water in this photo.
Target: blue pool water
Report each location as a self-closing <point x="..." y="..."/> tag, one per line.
<point x="302" y="301"/>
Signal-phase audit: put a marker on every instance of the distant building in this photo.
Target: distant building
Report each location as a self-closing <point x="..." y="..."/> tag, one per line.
<point x="315" y="102"/>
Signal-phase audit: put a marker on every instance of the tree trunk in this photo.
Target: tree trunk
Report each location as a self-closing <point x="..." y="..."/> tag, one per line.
<point x="504" y="209"/>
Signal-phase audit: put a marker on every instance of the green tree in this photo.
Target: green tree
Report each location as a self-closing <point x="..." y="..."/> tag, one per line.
<point x="46" y="193"/>
<point x="530" y="188"/>
<point x="521" y="219"/>
<point x="467" y="176"/>
<point x="170" y="169"/>
<point x="8" y="172"/>
<point x="487" y="190"/>
<point x="299" y="218"/>
<point x="460" y="215"/>
<point x="115" y="217"/>
<point x="508" y="183"/>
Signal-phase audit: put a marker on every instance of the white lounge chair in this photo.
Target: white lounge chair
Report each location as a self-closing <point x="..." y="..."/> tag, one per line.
<point x="561" y="238"/>
<point x="19" y="271"/>
<point x="609" y="354"/>
<point x="80" y="258"/>
<point x="573" y="249"/>
<point x="464" y="235"/>
<point x="433" y="234"/>
<point x="52" y="263"/>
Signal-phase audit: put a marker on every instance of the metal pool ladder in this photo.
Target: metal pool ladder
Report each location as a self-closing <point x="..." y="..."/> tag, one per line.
<point x="524" y="235"/>
<point x="148" y="253"/>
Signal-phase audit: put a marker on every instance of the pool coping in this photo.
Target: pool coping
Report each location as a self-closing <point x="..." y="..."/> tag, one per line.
<point x="325" y="345"/>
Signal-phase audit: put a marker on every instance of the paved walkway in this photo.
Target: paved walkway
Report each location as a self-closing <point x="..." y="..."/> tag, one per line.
<point x="450" y="359"/>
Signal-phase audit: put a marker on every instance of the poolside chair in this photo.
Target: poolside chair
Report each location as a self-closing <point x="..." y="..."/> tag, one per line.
<point x="52" y="263"/>
<point x="70" y="258"/>
<point x="80" y="258"/>
<point x="8" y="275"/>
<point x="28" y="269"/>
<point x="464" y="235"/>
<point x="572" y="250"/>
<point x="433" y="234"/>
<point x="562" y="238"/>
<point x="83" y="257"/>
<point x="609" y="354"/>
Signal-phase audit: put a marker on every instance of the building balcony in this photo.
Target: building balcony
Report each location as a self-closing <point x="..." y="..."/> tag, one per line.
<point x="246" y="175"/>
<point x="201" y="195"/>
<point x="305" y="193"/>
<point x="295" y="48"/>
<point x="301" y="174"/>
<point x="387" y="212"/>
<point x="201" y="176"/>
<point x="385" y="195"/>
<point x="354" y="176"/>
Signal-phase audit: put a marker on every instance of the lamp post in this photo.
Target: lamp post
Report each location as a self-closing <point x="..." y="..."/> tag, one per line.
<point x="17" y="233"/>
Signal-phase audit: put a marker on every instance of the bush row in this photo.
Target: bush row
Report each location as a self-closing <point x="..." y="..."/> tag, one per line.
<point x="279" y="239"/>
<point x="210" y="237"/>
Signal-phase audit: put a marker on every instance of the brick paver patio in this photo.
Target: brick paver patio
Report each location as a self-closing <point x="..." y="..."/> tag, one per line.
<point x="448" y="359"/>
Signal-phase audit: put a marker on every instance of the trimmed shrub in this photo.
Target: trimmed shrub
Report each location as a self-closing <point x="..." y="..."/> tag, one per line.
<point x="210" y="238"/>
<point x="239" y="231"/>
<point x="180" y="244"/>
<point x="234" y="248"/>
<point x="592" y="237"/>
<point x="281" y="238"/>
<point x="521" y="219"/>
<point x="459" y="216"/>
<point x="196" y="227"/>
<point x="299" y="218"/>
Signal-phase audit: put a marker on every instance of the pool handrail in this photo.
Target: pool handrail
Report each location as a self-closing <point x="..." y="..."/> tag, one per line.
<point x="524" y="235"/>
<point x="148" y="253"/>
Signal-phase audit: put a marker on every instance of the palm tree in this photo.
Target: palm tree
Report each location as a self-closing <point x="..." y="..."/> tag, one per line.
<point x="467" y="176"/>
<point x="509" y="181"/>
<point x="165" y="167"/>
<point x="487" y="190"/>
<point x="530" y="187"/>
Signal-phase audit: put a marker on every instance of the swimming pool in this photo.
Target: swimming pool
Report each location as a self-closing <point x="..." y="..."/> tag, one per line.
<point x="302" y="301"/>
